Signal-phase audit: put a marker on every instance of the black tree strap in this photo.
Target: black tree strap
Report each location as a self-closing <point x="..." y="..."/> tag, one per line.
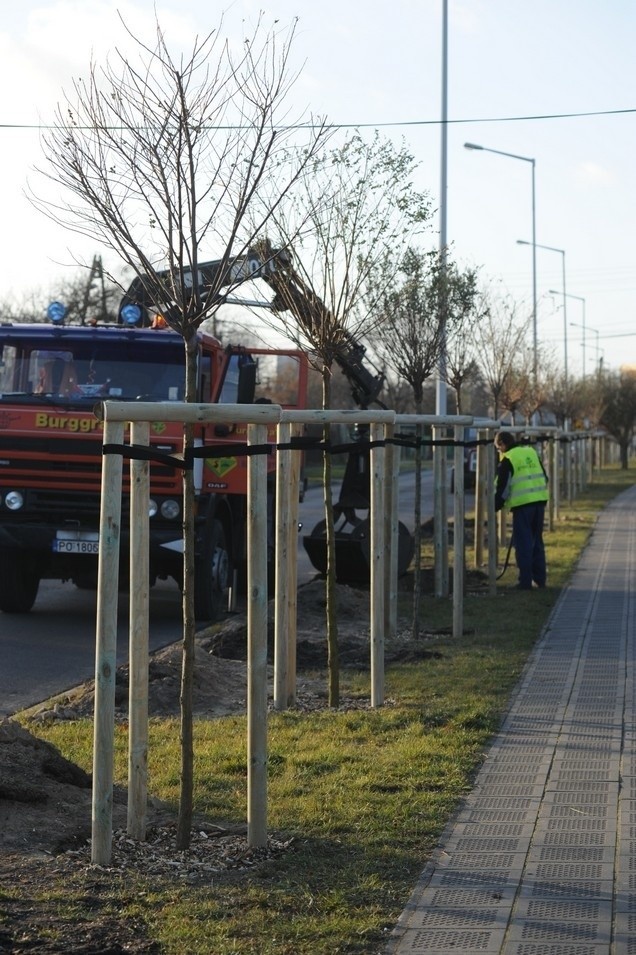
<point x="137" y="452"/>
<point x="142" y="452"/>
<point x="410" y="442"/>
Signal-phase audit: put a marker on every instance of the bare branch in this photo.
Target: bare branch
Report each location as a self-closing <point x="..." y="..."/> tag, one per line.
<point x="169" y="163"/>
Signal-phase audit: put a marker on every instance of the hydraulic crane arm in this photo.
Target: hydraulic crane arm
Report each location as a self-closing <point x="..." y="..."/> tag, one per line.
<point x="275" y="267"/>
<point x="292" y="294"/>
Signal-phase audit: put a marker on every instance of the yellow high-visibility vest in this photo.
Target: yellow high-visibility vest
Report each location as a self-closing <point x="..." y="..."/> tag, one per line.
<point x="527" y="484"/>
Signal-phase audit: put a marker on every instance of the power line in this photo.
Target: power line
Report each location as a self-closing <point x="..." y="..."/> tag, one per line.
<point x="393" y="123"/>
<point x="621" y="335"/>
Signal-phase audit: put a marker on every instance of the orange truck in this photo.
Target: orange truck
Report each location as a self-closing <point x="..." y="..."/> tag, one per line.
<point x="51" y="376"/>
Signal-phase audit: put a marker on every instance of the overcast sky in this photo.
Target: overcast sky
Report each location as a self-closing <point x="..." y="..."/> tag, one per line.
<point x="521" y="75"/>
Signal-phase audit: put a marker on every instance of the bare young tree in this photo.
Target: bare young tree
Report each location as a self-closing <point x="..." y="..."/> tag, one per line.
<point x="619" y="413"/>
<point x="167" y="160"/>
<point x="465" y="309"/>
<point x="594" y="396"/>
<point x="499" y="341"/>
<point x="517" y="389"/>
<point x="564" y="397"/>
<point x="537" y="383"/>
<point x="356" y="208"/>
<point x="420" y="311"/>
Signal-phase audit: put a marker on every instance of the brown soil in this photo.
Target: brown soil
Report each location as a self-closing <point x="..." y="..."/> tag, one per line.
<point x="45" y="801"/>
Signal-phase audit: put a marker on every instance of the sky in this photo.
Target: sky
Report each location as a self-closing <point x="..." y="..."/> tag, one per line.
<point x="552" y="81"/>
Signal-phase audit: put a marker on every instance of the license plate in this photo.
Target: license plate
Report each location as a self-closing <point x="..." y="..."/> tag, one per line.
<point x="76" y="547"/>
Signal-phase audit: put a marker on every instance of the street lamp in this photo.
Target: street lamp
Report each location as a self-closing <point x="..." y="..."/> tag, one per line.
<point x="578" y="325"/>
<point x="597" y="346"/>
<point x="551" y="248"/>
<point x="499" y="152"/>
<point x="441" y="385"/>
<point x="583" y="326"/>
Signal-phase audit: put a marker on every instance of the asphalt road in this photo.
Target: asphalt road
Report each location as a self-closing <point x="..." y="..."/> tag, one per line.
<point x="52" y="648"/>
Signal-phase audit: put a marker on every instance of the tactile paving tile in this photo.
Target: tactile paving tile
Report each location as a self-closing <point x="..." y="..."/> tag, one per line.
<point x="528" y="805"/>
<point x="485" y="860"/>
<point x="564" y="872"/>
<point x="552" y="931"/>
<point x="580" y="836"/>
<point x="495" y="880"/>
<point x="498" y="828"/>
<point x="555" y="948"/>
<point x="582" y="889"/>
<point x="562" y="909"/>
<point x="565" y="825"/>
<point x="581" y="787"/>
<point x="579" y="854"/>
<point x="461" y="916"/>
<point x="490" y="844"/>
<point x="471" y="897"/>
<point x="588" y="798"/>
<point x="503" y="816"/>
<point x="446" y="941"/>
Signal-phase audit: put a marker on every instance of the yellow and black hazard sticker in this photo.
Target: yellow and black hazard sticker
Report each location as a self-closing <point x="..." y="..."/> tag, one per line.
<point x="221" y="466"/>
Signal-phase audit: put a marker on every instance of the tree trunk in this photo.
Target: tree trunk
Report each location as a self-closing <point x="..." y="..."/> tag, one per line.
<point x="417" y="531"/>
<point x="333" y="656"/>
<point x="184" y="825"/>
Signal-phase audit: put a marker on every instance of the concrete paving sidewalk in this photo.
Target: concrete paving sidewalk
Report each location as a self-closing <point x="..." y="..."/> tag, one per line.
<point x="541" y="859"/>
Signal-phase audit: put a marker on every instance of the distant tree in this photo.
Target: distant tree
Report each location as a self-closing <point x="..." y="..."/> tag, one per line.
<point x="460" y="373"/>
<point x="410" y="330"/>
<point x="90" y="295"/>
<point x="27" y="310"/>
<point x="465" y="308"/>
<point x="427" y="305"/>
<point x="340" y="387"/>
<point x="619" y="414"/>
<point x="517" y="392"/>
<point x="398" y="394"/>
<point x="87" y="298"/>
<point x="475" y="395"/>
<point x="409" y="340"/>
<point x="536" y="402"/>
<point x="499" y="341"/>
<point x="563" y="396"/>
<point x="593" y="398"/>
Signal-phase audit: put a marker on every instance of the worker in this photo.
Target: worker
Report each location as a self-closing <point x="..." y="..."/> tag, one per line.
<point x="522" y="486"/>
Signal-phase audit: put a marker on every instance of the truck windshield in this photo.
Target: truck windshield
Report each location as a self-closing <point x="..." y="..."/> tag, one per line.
<point x="90" y="370"/>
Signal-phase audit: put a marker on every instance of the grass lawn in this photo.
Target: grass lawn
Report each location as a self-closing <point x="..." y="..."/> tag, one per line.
<point x="363" y="794"/>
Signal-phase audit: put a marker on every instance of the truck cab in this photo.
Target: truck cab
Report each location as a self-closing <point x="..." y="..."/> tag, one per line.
<point x="51" y="377"/>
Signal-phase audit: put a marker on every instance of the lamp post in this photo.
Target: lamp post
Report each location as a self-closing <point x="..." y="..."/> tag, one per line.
<point x="441" y="386"/>
<point x="551" y="248"/>
<point x="499" y="152"/>
<point x="583" y="326"/>
<point x="599" y="350"/>
<point x="596" y="347"/>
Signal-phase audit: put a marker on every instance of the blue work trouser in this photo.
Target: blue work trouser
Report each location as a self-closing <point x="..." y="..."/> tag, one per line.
<point x="527" y="536"/>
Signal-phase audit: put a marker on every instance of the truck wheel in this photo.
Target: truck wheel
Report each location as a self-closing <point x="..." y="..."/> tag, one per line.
<point x="19" y="582"/>
<point x="212" y="575"/>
